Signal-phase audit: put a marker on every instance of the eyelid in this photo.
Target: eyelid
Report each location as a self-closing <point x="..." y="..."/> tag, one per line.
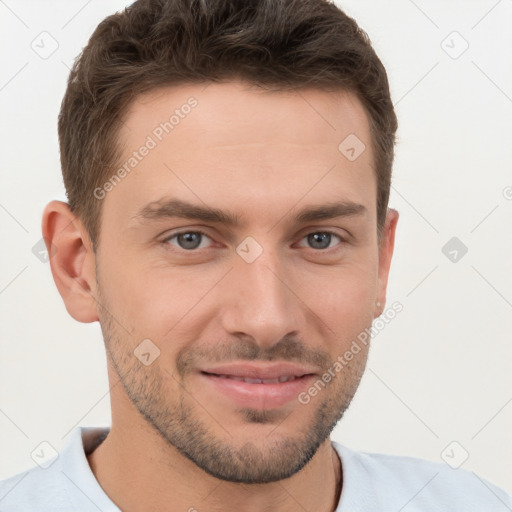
<point x="327" y="231"/>
<point x="168" y="237"/>
<point x="310" y="231"/>
<point x="341" y="233"/>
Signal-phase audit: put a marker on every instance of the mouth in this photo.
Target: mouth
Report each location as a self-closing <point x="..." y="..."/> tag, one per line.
<point x="249" y="380"/>
<point x="257" y="386"/>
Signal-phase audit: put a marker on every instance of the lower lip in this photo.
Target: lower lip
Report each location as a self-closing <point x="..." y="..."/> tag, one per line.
<point x="259" y="396"/>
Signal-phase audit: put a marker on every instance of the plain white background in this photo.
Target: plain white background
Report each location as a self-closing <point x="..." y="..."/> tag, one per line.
<point x="439" y="373"/>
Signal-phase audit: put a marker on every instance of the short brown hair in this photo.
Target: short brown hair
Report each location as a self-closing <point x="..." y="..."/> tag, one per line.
<point x="283" y="44"/>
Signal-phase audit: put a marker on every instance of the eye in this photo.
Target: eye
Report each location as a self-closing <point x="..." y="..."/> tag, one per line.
<point x="321" y="239"/>
<point x="188" y="240"/>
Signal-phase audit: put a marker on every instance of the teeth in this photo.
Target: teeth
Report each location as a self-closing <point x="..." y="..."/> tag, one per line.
<point x="284" y="378"/>
<point x="254" y="381"/>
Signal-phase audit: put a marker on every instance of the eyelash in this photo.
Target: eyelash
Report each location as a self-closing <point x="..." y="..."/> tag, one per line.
<point x="202" y="233"/>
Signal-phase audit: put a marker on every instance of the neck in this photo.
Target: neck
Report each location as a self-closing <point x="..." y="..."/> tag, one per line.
<point x="139" y="470"/>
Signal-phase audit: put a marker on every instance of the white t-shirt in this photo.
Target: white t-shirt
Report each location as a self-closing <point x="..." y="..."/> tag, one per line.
<point x="371" y="483"/>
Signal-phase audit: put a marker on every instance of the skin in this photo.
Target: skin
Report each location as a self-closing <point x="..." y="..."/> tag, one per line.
<point x="264" y="157"/>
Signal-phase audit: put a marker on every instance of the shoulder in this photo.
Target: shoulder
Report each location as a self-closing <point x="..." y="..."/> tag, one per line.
<point x="35" y="489"/>
<point x="417" y="483"/>
<point x="64" y="482"/>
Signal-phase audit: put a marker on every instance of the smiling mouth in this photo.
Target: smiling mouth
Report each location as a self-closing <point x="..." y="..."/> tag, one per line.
<point x="257" y="385"/>
<point x="252" y="380"/>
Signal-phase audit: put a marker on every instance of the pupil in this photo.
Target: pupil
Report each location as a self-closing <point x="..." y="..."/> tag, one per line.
<point x="323" y="239"/>
<point x="189" y="240"/>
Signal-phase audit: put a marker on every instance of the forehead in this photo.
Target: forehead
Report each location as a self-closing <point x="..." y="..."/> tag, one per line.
<point x="235" y="142"/>
<point x="258" y="114"/>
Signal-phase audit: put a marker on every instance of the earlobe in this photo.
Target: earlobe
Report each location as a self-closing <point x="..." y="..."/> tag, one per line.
<point x="386" y="246"/>
<point x="72" y="260"/>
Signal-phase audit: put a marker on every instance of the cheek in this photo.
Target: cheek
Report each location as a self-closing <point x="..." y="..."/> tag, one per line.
<point x="344" y="301"/>
<point x="340" y="293"/>
<point x="153" y="301"/>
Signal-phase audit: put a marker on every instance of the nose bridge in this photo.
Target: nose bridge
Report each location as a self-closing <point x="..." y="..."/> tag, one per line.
<point x="262" y="305"/>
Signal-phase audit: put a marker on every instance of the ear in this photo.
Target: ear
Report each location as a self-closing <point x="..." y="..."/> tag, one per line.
<point x="386" y="246"/>
<point x="72" y="260"/>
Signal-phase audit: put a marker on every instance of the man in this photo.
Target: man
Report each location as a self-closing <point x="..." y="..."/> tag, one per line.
<point x="228" y="168"/>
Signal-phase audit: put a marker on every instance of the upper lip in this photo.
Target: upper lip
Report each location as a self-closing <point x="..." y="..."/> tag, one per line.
<point x="261" y="371"/>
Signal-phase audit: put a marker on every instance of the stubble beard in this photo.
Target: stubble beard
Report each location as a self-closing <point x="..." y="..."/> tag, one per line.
<point x="185" y="425"/>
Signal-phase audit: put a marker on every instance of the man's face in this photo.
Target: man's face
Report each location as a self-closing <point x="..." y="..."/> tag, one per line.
<point x="271" y="296"/>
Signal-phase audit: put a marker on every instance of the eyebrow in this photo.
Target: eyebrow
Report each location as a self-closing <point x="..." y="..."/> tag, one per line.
<point x="176" y="208"/>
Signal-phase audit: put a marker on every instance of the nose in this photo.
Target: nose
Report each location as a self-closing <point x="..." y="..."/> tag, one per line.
<point x="260" y="301"/>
